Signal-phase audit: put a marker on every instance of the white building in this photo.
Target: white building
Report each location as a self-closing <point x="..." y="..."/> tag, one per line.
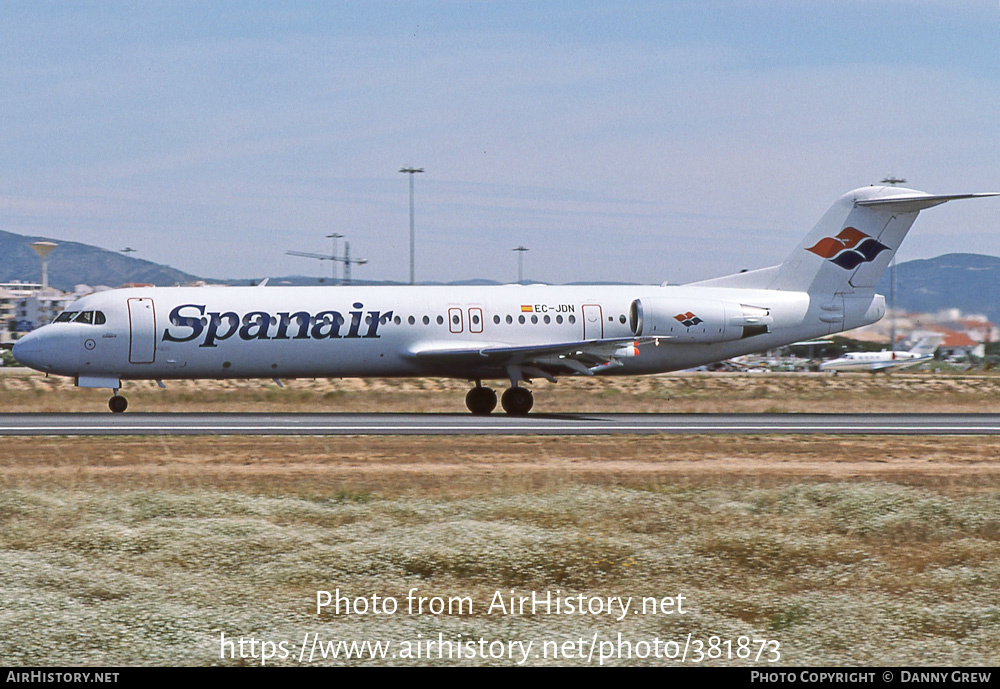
<point x="25" y="306"/>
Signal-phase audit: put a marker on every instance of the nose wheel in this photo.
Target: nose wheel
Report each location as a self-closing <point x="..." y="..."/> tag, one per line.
<point x="117" y="404"/>
<point x="517" y="401"/>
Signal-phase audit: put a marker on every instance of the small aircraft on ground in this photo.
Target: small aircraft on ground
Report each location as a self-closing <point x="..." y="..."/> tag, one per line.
<point x="922" y="352"/>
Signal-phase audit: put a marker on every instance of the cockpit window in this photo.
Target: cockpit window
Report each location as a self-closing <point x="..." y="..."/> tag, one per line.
<point x="88" y="317"/>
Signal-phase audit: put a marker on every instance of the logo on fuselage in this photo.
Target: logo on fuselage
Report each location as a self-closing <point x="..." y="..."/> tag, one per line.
<point x="849" y="249"/>
<point x="191" y="321"/>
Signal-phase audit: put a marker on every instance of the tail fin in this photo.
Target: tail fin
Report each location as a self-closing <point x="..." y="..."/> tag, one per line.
<point x="850" y="247"/>
<point x="927" y="344"/>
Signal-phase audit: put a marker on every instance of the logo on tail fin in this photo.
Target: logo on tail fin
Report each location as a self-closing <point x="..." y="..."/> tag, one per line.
<point x="849" y="249"/>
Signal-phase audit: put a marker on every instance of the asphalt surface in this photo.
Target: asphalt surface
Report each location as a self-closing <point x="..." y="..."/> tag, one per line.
<point x="495" y="424"/>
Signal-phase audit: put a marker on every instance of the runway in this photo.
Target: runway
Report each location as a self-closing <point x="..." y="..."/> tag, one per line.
<point x="496" y="424"/>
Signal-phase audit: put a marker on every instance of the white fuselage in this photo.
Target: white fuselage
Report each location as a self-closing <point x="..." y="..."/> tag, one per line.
<point x="875" y="361"/>
<point x="293" y="332"/>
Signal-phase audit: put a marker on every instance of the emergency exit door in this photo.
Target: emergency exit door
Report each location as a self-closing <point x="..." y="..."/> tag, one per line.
<point x="593" y="322"/>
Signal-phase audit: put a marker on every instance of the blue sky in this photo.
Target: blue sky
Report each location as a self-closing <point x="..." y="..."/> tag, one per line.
<point x="643" y="142"/>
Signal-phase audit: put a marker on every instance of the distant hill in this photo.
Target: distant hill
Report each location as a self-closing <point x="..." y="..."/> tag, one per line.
<point x="970" y="282"/>
<point x="72" y="263"/>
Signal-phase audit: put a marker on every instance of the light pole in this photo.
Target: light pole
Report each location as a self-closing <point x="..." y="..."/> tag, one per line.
<point x="411" y="171"/>
<point x="892" y="181"/>
<point x="520" y="264"/>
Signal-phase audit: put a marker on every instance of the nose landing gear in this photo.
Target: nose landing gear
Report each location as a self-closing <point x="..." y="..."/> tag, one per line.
<point x="118" y="403"/>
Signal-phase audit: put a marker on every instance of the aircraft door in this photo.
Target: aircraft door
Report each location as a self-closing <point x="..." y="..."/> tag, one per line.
<point x="142" y="331"/>
<point x="593" y="322"/>
<point x="455" y="320"/>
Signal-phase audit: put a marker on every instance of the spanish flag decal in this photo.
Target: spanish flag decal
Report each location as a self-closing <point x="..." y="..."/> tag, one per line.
<point x="525" y="309"/>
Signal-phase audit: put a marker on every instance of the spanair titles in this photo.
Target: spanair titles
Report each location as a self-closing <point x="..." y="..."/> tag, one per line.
<point x="191" y="322"/>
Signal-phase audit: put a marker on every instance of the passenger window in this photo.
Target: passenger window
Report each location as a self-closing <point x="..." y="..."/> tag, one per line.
<point x="496" y="319"/>
<point x="440" y="320"/>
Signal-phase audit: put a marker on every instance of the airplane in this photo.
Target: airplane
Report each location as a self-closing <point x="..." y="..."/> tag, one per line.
<point x="921" y="352"/>
<point x="508" y="332"/>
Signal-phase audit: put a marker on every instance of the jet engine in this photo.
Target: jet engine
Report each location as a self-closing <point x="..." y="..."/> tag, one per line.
<point x="697" y="320"/>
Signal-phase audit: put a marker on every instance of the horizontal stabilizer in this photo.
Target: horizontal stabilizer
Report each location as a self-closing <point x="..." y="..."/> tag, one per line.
<point x="912" y="203"/>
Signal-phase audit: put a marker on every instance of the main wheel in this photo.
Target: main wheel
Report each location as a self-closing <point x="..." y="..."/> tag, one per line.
<point x="481" y="401"/>
<point x="118" y="404"/>
<point x="517" y="401"/>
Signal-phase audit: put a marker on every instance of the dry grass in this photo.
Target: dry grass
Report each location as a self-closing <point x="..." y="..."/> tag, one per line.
<point x="463" y="466"/>
<point x="846" y="550"/>
<point x="23" y="390"/>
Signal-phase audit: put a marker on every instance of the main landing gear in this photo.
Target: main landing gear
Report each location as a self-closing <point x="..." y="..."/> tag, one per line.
<point x="515" y="401"/>
<point x="118" y="403"/>
<point x="480" y="400"/>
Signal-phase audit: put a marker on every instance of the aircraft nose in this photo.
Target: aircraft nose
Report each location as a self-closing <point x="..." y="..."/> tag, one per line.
<point x="29" y="351"/>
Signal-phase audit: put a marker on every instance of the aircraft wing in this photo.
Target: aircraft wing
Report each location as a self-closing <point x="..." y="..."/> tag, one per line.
<point x="585" y="356"/>
<point x="883" y="365"/>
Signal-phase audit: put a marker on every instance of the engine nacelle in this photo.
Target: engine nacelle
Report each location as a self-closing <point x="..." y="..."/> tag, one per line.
<point x="697" y="320"/>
